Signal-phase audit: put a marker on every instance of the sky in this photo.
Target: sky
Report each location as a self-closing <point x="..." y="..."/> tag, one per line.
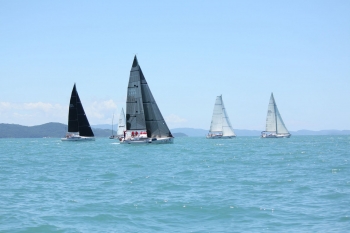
<point x="189" y="51"/>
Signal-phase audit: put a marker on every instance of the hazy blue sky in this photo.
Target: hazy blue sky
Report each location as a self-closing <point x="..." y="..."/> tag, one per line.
<point x="189" y="51"/>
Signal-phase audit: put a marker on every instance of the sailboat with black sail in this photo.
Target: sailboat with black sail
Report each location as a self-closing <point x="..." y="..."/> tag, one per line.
<point x="220" y="127"/>
<point x="144" y="121"/>
<point x="275" y="127"/>
<point x="79" y="128"/>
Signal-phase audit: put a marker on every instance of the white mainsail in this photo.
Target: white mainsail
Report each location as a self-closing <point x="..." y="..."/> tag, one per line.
<point x="121" y="124"/>
<point x="220" y="123"/>
<point x="216" y="120"/>
<point x="274" y="122"/>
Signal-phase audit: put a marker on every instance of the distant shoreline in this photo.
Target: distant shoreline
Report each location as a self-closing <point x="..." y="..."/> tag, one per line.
<point x="58" y="130"/>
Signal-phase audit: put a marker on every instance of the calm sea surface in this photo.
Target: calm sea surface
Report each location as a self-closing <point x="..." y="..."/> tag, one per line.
<point x="247" y="184"/>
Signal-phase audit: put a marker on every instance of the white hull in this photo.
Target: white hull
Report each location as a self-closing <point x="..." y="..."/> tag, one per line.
<point x="220" y="137"/>
<point x="148" y="141"/>
<point x="264" y="135"/>
<point x="77" y="138"/>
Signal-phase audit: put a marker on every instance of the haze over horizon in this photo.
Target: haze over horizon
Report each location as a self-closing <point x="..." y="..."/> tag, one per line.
<point x="190" y="52"/>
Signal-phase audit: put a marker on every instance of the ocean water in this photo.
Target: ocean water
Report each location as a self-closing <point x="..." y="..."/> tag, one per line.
<point x="248" y="184"/>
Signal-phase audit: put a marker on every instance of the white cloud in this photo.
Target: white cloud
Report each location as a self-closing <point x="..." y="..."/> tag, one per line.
<point x="36" y="113"/>
<point x="46" y="107"/>
<point x="100" y="112"/>
<point x="4" y="105"/>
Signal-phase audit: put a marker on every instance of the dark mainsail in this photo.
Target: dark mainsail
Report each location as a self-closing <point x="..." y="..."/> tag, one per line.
<point x="142" y="112"/>
<point x="77" y="120"/>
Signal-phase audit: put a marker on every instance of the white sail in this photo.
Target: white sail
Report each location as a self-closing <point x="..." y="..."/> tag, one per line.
<point x="220" y="123"/>
<point x="226" y="124"/>
<point x="274" y="122"/>
<point x="121" y="124"/>
<point x="271" y="116"/>
<point x="216" y="120"/>
<point x="281" y="128"/>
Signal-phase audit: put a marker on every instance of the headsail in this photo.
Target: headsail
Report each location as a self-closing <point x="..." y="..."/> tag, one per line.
<point x="77" y="120"/>
<point x="227" y="129"/>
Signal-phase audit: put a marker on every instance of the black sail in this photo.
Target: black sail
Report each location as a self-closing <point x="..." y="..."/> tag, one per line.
<point x="142" y="109"/>
<point x="135" y="117"/>
<point x="77" y="120"/>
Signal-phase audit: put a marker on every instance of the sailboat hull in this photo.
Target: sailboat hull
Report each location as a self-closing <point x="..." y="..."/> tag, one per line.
<point x="220" y="137"/>
<point x="77" y="138"/>
<point x="265" y="135"/>
<point x="148" y="141"/>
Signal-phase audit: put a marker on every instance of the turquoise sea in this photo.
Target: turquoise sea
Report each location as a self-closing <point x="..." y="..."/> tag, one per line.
<point x="248" y="184"/>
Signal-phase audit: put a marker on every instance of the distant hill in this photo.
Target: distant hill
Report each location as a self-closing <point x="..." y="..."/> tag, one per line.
<point x="321" y="132"/>
<point x="58" y="130"/>
<point x="190" y="132"/>
<point x="105" y="126"/>
<point x="243" y="132"/>
<point x="202" y="132"/>
<point x="179" y="135"/>
<point x="53" y="130"/>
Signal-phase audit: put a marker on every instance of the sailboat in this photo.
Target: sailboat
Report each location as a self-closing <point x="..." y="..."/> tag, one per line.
<point x="220" y="123"/>
<point x="121" y="124"/>
<point x="112" y="136"/>
<point x="144" y="121"/>
<point x="78" y="125"/>
<point x="275" y="127"/>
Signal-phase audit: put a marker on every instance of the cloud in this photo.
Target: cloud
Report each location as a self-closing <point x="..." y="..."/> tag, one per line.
<point x="36" y="113"/>
<point x="46" y="107"/>
<point x="5" y="105"/>
<point x="102" y="111"/>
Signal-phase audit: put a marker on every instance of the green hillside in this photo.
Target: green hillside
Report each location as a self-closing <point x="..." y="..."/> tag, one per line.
<point x="52" y="130"/>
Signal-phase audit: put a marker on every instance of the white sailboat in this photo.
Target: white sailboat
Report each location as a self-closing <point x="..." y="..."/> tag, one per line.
<point x="78" y="125"/>
<point x="220" y="123"/>
<point x="144" y="121"/>
<point x="275" y="127"/>
<point x="121" y="124"/>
